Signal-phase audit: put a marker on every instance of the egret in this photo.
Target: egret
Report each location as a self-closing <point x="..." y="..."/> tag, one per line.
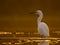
<point x="43" y="28"/>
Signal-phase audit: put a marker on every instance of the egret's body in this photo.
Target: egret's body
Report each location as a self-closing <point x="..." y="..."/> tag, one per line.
<point x="43" y="28"/>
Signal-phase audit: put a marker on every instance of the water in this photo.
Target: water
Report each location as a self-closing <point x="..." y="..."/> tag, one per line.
<point x="13" y="41"/>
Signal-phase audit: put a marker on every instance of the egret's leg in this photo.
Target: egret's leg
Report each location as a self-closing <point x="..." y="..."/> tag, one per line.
<point x="44" y="36"/>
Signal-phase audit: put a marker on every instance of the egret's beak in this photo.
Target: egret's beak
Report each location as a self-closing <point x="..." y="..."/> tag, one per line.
<point x="32" y="12"/>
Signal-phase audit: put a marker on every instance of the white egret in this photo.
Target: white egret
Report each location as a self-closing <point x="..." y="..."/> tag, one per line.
<point x="43" y="29"/>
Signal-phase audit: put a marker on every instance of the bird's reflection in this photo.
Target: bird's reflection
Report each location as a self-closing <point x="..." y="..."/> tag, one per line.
<point x="43" y="43"/>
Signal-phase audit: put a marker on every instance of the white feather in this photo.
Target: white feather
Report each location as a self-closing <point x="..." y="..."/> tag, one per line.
<point x="43" y="29"/>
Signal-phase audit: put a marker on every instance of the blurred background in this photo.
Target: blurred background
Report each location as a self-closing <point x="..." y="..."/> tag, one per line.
<point x="15" y="17"/>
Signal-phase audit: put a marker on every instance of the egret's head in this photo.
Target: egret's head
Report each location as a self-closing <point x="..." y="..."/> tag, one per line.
<point x="39" y="12"/>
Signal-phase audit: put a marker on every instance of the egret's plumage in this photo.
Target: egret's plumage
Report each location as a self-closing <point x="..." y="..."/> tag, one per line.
<point x="43" y="29"/>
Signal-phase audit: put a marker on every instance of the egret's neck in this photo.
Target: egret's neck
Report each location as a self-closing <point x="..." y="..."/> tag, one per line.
<point x="40" y="17"/>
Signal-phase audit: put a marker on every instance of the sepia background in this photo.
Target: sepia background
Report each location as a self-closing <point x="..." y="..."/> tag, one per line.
<point x="15" y="17"/>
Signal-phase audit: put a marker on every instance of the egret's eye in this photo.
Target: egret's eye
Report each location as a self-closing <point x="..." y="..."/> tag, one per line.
<point x="38" y="15"/>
